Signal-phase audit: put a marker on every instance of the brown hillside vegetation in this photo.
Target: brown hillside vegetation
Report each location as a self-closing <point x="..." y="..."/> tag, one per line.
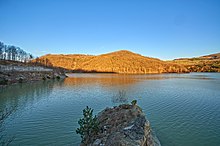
<point x="115" y="62"/>
<point x="208" y="63"/>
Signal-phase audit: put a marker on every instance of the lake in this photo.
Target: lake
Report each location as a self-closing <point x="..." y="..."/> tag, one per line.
<point x="183" y="109"/>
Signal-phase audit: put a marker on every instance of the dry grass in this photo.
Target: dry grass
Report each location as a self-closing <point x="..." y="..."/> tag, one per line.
<point x="209" y="63"/>
<point x="117" y="62"/>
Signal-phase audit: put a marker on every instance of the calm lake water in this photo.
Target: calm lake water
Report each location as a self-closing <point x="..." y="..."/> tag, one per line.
<point x="183" y="109"/>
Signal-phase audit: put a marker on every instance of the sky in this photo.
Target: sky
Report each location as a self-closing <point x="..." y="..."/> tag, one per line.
<point x="164" y="29"/>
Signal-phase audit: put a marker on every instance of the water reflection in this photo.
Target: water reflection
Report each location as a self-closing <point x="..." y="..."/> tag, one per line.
<point x="22" y="94"/>
<point x="105" y="79"/>
<point x="109" y="80"/>
<point x="183" y="108"/>
<point x="120" y="97"/>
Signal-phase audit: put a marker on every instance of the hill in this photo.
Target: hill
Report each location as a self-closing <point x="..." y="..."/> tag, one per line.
<point x="207" y="63"/>
<point x="116" y="62"/>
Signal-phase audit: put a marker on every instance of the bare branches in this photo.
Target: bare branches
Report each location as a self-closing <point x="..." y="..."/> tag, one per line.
<point x="3" y="116"/>
<point x="121" y="97"/>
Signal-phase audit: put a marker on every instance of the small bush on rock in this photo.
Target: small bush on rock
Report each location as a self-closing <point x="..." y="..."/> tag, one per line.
<point x="44" y="78"/>
<point x="20" y="80"/>
<point x="134" y="102"/>
<point x="89" y="125"/>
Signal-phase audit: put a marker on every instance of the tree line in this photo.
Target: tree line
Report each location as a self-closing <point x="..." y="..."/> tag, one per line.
<point x="11" y="52"/>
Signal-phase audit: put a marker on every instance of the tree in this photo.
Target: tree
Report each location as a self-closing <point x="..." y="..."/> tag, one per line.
<point x="31" y="56"/>
<point x="13" y="53"/>
<point x="4" y="52"/>
<point x="10" y="52"/>
<point x="89" y="125"/>
<point x="1" y="50"/>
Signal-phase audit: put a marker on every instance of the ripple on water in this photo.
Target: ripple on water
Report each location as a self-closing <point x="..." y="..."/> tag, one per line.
<point x="183" y="109"/>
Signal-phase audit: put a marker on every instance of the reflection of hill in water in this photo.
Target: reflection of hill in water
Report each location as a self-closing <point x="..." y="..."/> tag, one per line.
<point x="103" y="80"/>
<point x="83" y="79"/>
<point x="108" y="79"/>
<point x="22" y="94"/>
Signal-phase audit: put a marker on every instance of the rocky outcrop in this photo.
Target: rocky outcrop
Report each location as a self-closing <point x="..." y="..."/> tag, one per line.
<point x="12" y="77"/>
<point x="21" y="75"/>
<point x="123" y="125"/>
<point x="6" y="68"/>
<point x="18" y="72"/>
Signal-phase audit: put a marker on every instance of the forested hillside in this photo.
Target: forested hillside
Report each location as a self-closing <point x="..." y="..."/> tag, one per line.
<point x="115" y="62"/>
<point x="207" y="63"/>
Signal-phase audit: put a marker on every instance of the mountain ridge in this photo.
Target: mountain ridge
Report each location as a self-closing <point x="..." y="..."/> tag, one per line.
<point x="122" y="61"/>
<point x="205" y="63"/>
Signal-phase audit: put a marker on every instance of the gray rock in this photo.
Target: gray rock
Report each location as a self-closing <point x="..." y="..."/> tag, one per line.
<point x="124" y="125"/>
<point x="97" y="142"/>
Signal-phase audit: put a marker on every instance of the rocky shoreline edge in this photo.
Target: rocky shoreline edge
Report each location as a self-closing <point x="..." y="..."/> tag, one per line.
<point x="24" y="74"/>
<point x="123" y="125"/>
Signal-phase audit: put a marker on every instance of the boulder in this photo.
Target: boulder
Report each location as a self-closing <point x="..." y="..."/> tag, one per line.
<point x="123" y="125"/>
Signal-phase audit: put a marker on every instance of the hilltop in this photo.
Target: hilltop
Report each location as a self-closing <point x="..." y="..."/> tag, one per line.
<point x="122" y="61"/>
<point x="212" y="56"/>
<point x="207" y="63"/>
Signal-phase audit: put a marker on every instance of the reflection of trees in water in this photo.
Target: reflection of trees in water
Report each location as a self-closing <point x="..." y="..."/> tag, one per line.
<point x="116" y="87"/>
<point x="120" y="97"/>
<point x="106" y="80"/>
<point x="19" y="96"/>
<point x="111" y="79"/>
<point x="4" y="140"/>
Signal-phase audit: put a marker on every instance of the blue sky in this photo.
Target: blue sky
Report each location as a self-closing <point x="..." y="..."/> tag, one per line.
<point x="164" y="29"/>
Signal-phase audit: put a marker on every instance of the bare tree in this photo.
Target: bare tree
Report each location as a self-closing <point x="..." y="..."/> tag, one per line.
<point x="1" y="50"/>
<point x="13" y="53"/>
<point x="3" y="116"/>
<point x="10" y="52"/>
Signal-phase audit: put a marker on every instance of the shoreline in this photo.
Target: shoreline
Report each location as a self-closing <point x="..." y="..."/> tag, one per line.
<point x="15" y="77"/>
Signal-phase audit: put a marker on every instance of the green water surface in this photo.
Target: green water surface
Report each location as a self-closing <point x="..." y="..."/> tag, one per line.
<point x="183" y="109"/>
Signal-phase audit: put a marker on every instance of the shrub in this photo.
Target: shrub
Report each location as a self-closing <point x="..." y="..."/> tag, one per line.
<point x="58" y="77"/>
<point x="134" y="102"/>
<point x="89" y="125"/>
<point x="20" y="80"/>
<point x="44" y="78"/>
